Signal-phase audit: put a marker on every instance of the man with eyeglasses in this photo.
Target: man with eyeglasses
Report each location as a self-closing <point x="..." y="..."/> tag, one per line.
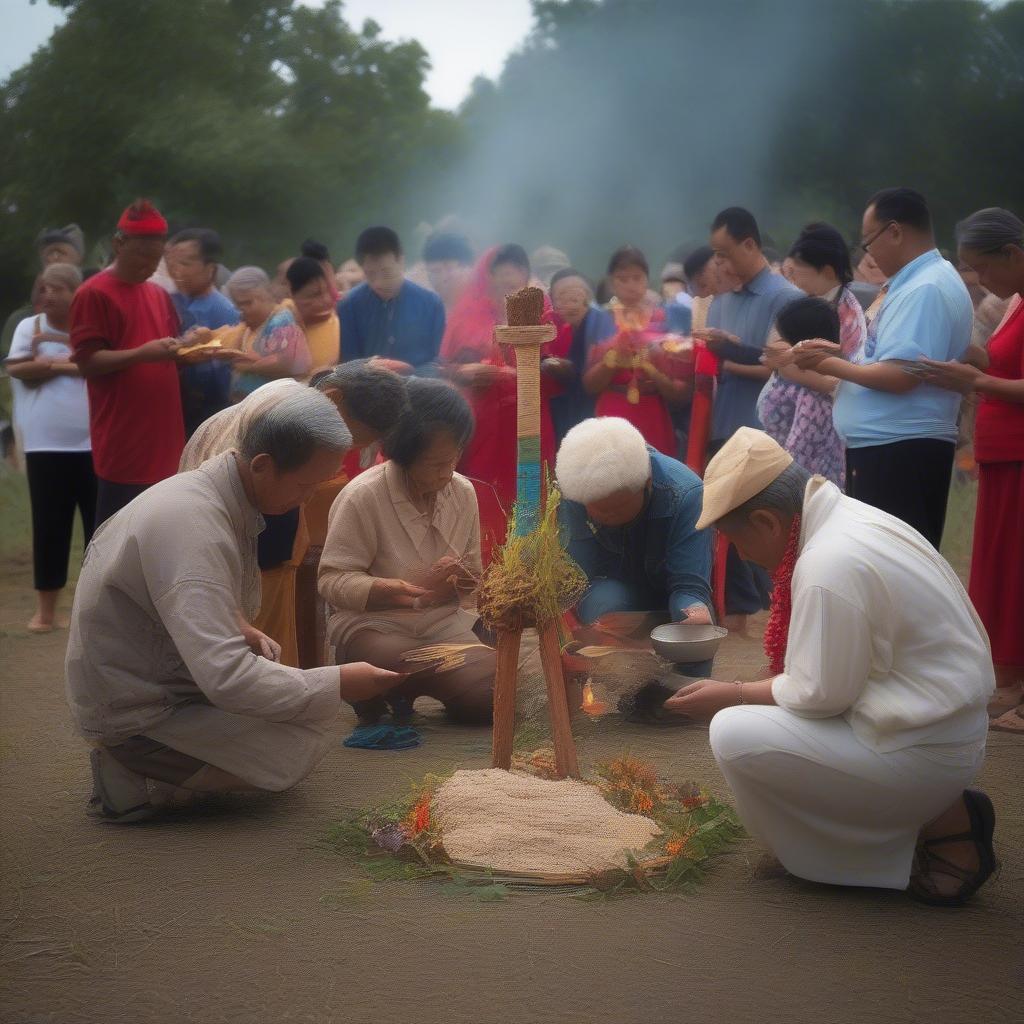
<point x="389" y="316"/>
<point x="900" y="432"/>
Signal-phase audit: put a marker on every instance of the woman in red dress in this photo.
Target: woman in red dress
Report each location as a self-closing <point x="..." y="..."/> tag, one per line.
<point x="634" y="375"/>
<point x="486" y="372"/>
<point x="991" y="242"/>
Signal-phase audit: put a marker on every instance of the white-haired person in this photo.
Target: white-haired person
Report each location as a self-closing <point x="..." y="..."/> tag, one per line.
<point x="852" y="760"/>
<point x="166" y="677"/>
<point x="629" y="520"/>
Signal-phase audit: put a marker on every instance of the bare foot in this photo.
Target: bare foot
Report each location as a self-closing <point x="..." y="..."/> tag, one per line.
<point x="37" y="624"/>
<point x="1011" y="721"/>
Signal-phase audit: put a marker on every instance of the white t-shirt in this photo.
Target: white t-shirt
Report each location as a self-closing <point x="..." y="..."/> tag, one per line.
<point x="53" y="417"/>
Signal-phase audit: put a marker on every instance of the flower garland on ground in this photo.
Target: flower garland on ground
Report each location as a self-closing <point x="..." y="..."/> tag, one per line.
<point x="776" y="633"/>
<point x="401" y="840"/>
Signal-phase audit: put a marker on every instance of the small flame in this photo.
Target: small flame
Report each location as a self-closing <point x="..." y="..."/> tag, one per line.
<point x="591" y="705"/>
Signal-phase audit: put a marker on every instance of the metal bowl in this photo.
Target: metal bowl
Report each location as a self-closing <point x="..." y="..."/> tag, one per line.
<point x="685" y="643"/>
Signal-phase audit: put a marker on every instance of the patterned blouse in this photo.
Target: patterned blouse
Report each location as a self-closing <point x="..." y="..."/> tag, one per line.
<point x="279" y="335"/>
<point x="799" y="418"/>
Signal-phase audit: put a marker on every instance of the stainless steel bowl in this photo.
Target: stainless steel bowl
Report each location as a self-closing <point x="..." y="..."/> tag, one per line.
<point x="685" y="643"/>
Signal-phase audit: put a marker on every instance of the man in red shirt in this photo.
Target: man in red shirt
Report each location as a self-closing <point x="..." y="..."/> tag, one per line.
<point x="123" y="335"/>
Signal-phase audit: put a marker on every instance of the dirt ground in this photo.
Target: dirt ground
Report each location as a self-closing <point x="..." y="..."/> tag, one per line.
<point x="237" y="915"/>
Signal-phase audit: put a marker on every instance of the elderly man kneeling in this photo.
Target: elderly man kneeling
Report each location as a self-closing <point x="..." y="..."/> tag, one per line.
<point x="165" y="675"/>
<point x="629" y="520"/>
<point x="856" y="755"/>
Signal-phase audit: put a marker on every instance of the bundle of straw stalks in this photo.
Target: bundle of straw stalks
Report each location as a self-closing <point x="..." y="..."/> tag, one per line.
<point x="440" y="657"/>
<point x="531" y="580"/>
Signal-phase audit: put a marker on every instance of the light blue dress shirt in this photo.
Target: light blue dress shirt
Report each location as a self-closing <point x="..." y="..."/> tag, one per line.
<point x="927" y="312"/>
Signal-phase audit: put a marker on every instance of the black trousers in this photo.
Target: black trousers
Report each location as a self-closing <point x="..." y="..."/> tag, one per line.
<point x="112" y="497"/>
<point x="58" y="483"/>
<point x="907" y="479"/>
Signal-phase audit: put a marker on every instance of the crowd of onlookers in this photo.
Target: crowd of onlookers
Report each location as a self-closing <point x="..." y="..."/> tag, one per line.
<point x="856" y="361"/>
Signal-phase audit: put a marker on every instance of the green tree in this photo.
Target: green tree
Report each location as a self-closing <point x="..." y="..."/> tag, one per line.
<point x="268" y="121"/>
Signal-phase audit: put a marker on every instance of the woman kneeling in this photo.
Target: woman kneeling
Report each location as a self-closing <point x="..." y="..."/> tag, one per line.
<point x="402" y="558"/>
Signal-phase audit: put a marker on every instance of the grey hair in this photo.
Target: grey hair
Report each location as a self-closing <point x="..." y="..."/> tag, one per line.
<point x="246" y="279"/>
<point x="293" y="429"/>
<point x="990" y="230"/>
<point x="373" y="394"/>
<point x="66" y="274"/>
<point x="785" y="495"/>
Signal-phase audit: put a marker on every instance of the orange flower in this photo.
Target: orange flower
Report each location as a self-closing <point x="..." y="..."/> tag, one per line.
<point x="642" y="802"/>
<point x="676" y="846"/>
<point x="418" y="819"/>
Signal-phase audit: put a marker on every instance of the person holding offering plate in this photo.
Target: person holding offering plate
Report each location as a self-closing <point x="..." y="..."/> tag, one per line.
<point x="628" y="515"/>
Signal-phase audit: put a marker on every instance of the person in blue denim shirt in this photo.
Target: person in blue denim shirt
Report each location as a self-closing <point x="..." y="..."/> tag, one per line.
<point x="192" y="260"/>
<point x="628" y="517"/>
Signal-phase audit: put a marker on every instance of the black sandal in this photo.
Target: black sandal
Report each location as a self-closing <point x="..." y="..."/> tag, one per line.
<point x="983" y="820"/>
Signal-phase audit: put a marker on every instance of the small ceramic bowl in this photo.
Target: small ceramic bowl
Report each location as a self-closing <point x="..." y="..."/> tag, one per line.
<point x="686" y="643"/>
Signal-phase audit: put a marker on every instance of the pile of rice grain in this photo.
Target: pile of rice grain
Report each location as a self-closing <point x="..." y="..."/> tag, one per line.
<point x="516" y="822"/>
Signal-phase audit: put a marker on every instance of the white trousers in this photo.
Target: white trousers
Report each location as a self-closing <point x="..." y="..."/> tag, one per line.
<point x="830" y="808"/>
<point x="267" y="755"/>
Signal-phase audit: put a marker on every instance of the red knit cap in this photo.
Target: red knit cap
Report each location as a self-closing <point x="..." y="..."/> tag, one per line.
<point x="142" y="218"/>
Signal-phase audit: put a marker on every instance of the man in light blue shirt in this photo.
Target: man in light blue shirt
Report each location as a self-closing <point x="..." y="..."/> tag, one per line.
<point x="901" y="433"/>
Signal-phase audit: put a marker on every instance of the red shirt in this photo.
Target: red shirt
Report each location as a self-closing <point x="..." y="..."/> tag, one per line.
<point x="999" y="425"/>
<point x="134" y="414"/>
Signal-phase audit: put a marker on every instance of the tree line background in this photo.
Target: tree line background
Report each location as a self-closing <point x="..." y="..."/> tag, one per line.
<point x="615" y="121"/>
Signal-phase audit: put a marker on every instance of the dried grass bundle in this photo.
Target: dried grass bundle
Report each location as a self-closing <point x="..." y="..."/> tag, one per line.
<point x="530" y="579"/>
<point x="441" y="657"/>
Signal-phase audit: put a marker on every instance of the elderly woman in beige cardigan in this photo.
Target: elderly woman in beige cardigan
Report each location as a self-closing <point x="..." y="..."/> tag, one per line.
<point x="402" y="554"/>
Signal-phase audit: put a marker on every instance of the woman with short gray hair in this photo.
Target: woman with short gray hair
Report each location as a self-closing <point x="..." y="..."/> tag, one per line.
<point x="271" y="340"/>
<point x="991" y="243"/>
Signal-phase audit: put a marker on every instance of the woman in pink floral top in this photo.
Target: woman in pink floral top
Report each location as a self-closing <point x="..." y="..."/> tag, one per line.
<point x="795" y="406"/>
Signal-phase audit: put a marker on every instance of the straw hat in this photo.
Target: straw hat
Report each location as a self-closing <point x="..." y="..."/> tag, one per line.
<point x="746" y="464"/>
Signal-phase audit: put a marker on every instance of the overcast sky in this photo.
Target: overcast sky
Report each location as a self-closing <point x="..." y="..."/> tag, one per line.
<point x="463" y="41"/>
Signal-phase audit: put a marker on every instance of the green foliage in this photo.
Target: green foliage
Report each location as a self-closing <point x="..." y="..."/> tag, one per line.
<point x="616" y="120"/>
<point x="266" y="119"/>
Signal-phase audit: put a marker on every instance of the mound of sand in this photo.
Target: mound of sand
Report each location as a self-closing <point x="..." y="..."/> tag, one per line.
<point x="516" y="822"/>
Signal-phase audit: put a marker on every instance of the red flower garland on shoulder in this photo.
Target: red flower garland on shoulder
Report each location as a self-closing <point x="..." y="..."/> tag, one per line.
<point x="776" y="634"/>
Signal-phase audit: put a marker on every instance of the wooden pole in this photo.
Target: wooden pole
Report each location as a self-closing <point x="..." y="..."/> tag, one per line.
<point x="558" y="707"/>
<point x="505" y="673"/>
<point x="527" y="341"/>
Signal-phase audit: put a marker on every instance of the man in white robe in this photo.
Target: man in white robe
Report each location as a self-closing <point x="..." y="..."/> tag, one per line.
<point x="857" y="755"/>
<point x="165" y="675"/>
